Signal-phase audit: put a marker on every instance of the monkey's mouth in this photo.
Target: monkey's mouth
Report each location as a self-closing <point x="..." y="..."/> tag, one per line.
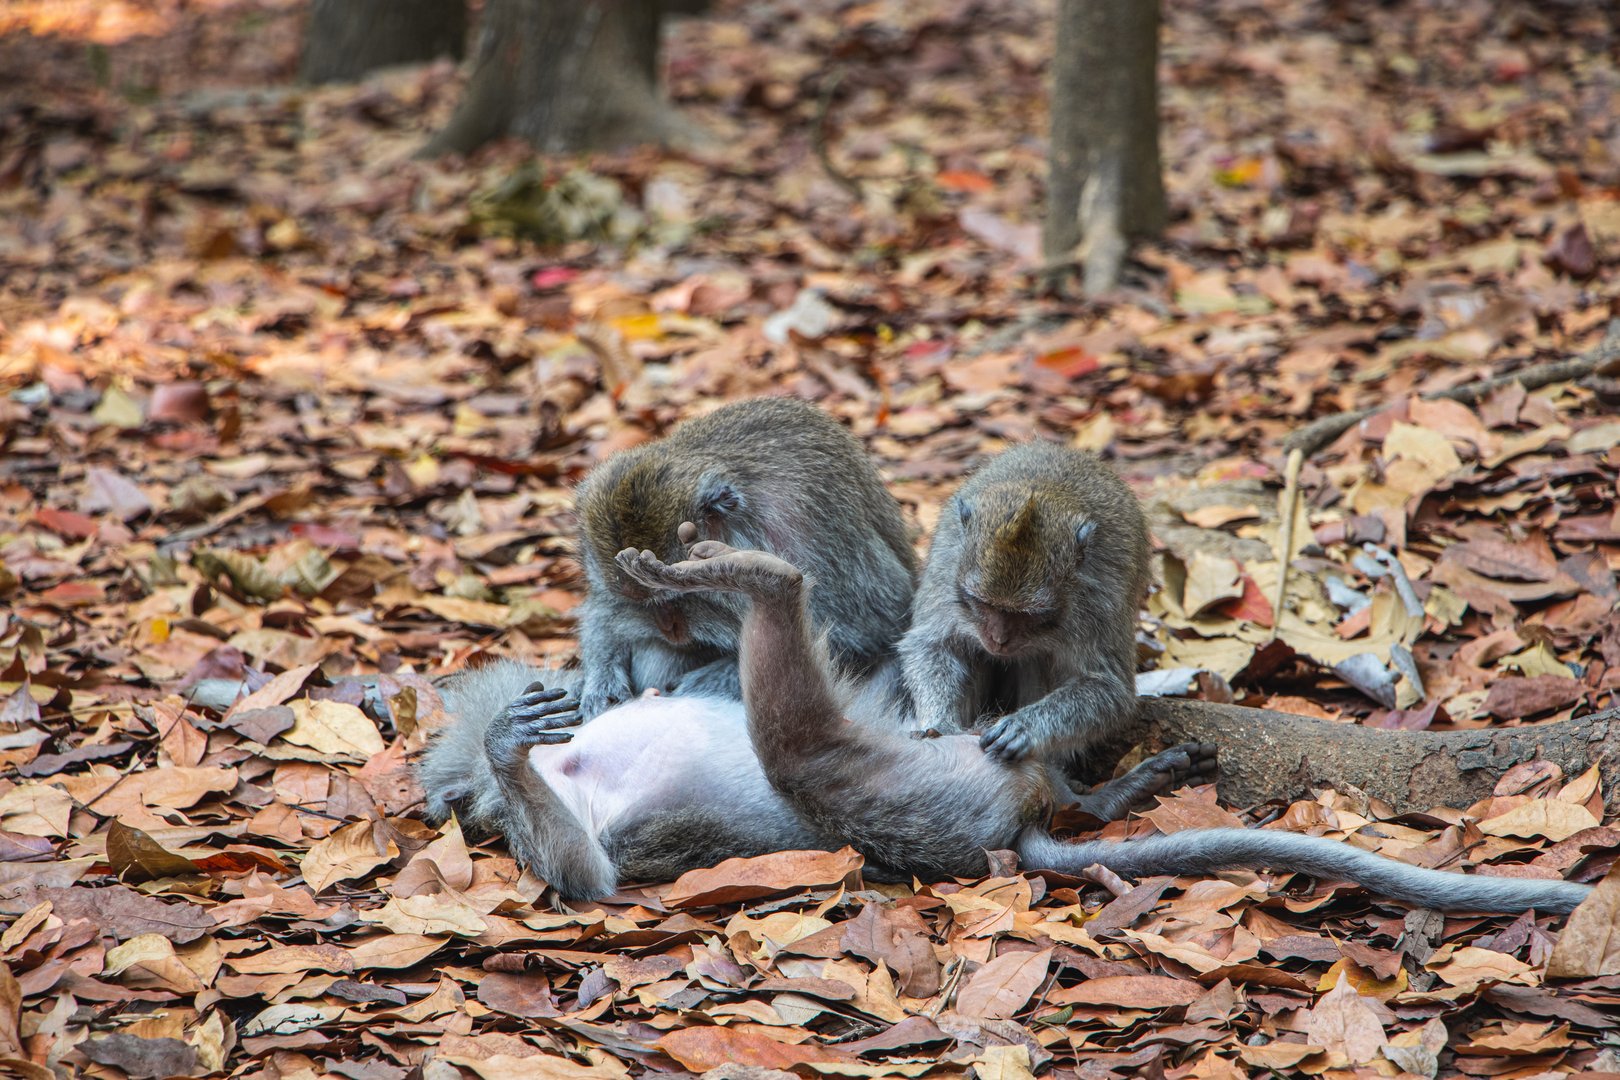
<point x="671" y="622"/>
<point x="1004" y="650"/>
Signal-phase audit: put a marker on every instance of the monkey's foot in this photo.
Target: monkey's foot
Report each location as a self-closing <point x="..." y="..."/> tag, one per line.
<point x="1187" y="765"/>
<point x="713" y="566"/>
<point x="533" y="718"/>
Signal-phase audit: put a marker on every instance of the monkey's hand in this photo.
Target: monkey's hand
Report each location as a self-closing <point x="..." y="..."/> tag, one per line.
<point x="601" y="690"/>
<point x="1008" y="739"/>
<point x="535" y="717"/>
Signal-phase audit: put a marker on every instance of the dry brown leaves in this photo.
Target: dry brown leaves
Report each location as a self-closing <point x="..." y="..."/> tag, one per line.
<point x="289" y="422"/>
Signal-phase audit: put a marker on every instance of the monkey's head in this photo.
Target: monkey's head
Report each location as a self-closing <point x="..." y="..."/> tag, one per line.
<point x="638" y="499"/>
<point x="1022" y="553"/>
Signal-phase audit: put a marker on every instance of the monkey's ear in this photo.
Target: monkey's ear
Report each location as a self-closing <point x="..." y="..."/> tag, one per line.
<point x="1084" y="531"/>
<point x="717" y="497"/>
<point x="963" y="509"/>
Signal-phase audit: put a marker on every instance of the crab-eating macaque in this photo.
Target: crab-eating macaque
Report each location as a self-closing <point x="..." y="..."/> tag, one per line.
<point x="761" y="474"/>
<point x="1027" y="607"/>
<point x="662" y="785"/>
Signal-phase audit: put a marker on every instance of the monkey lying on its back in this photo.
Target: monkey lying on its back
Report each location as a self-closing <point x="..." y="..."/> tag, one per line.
<point x="662" y="785"/>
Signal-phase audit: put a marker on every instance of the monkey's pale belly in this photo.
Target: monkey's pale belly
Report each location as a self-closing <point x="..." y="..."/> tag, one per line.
<point x="652" y="753"/>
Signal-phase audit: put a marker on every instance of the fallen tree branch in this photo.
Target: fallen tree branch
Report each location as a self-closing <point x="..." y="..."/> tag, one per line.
<point x="1318" y="434"/>
<point x="1271" y="755"/>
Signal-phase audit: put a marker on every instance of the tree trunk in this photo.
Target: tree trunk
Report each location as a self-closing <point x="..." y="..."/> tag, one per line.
<point x="1269" y="755"/>
<point x="565" y="75"/>
<point x="1104" y="184"/>
<point x="347" y="38"/>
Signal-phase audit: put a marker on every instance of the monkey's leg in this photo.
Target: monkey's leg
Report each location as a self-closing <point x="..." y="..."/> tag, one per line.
<point x="793" y="712"/>
<point x="1187" y="765"/>
<point x="540" y="831"/>
<point x="1066" y="719"/>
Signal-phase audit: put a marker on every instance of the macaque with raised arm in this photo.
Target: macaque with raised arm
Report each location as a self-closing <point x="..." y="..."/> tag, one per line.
<point x="662" y="785"/>
<point x="1027" y="608"/>
<point x="757" y="474"/>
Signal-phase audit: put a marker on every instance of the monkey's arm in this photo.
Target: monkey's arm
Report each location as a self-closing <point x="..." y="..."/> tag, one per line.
<point x="941" y="684"/>
<point x="539" y="829"/>
<point x="1073" y="715"/>
<point x="478" y="768"/>
<point x="717" y="678"/>
<point x="605" y="654"/>
<point x="454" y="772"/>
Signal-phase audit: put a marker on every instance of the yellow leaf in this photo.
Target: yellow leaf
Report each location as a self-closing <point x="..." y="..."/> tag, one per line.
<point x="1589" y="946"/>
<point x="1552" y="818"/>
<point x="334" y="728"/>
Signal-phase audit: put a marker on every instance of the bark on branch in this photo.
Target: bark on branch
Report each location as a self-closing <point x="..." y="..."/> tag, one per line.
<point x="1271" y="755"/>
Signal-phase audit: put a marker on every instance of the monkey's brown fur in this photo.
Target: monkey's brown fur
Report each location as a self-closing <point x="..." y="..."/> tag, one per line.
<point x="757" y="474"/>
<point x="662" y="785"/>
<point x="1028" y="605"/>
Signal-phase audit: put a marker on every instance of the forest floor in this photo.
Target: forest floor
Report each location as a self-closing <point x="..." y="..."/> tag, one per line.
<point x="281" y="400"/>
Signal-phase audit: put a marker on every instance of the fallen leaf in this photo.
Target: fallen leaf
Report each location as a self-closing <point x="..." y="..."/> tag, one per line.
<point x="1589" y="945"/>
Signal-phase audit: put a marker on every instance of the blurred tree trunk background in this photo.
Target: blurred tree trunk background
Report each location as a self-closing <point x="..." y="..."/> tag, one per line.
<point x="1105" y="184"/>
<point x="347" y="38"/>
<point x="565" y="75"/>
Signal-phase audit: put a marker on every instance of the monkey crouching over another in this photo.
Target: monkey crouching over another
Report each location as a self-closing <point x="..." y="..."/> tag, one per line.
<point x="663" y="785"/>
<point x="1028" y="604"/>
<point x="762" y="474"/>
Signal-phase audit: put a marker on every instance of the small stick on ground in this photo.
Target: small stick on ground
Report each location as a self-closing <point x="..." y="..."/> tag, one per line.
<point x="1314" y="436"/>
<point x="818" y="137"/>
<point x="1287" y="505"/>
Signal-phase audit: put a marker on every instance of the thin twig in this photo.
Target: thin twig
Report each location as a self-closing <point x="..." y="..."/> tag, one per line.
<point x="818" y="137"/>
<point x="1314" y="436"/>
<point x="1289" y="505"/>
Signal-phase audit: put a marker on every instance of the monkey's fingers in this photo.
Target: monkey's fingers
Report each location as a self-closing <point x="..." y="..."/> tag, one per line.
<point x="556" y="713"/>
<point x="1006" y="741"/>
<point x="686" y="532"/>
<point x="533" y="729"/>
<point x="1203" y="763"/>
<point x="643" y="566"/>
<point x="536" y="693"/>
<point x="710" y="549"/>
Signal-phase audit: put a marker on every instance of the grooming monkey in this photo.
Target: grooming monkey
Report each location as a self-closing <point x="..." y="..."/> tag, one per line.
<point x="1027" y="606"/>
<point x="666" y="784"/>
<point x="761" y="474"/>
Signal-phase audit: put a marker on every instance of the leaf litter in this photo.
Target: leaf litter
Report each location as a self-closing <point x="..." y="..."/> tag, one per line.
<point x="290" y="421"/>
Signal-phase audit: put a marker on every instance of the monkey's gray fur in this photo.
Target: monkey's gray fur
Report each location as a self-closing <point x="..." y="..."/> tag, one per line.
<point x="1028" y="603"/>
<point x="666" y="784"/>
<point x="759" y="474"/>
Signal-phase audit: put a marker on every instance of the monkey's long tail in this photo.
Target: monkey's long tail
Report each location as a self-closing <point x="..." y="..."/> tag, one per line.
<point x="1199" y="851"/>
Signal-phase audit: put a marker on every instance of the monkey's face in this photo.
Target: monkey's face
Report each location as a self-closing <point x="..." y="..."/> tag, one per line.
<point x="638" y="500"/>
<point x="1020" y="558"/>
